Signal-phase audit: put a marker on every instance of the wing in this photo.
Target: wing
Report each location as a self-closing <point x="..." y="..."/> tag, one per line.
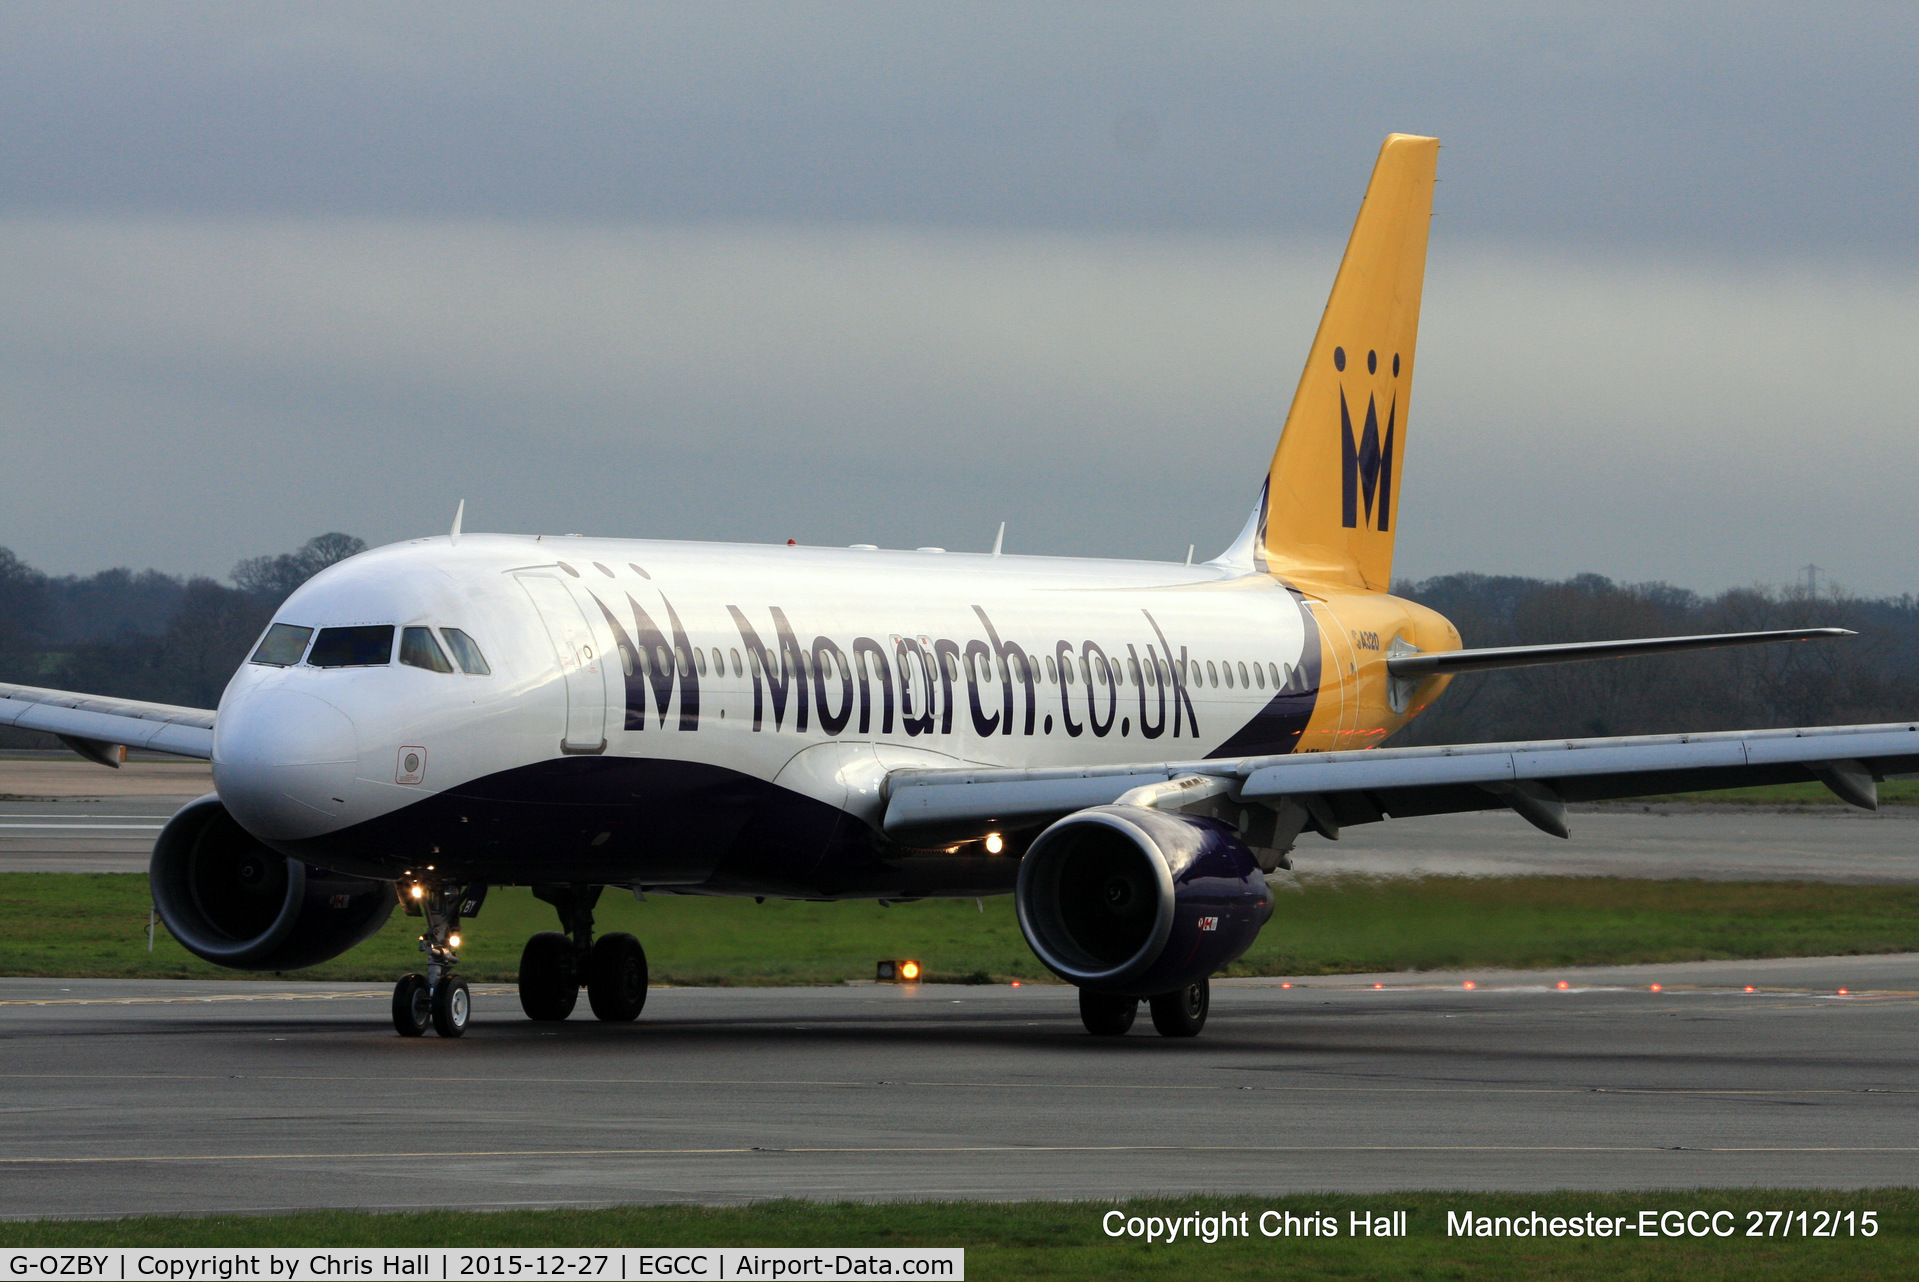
<point x="1325" y="791"/>
<point x="101" y="729"/>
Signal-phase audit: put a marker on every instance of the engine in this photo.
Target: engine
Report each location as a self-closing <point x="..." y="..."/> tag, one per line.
<point x="234" y="902"/>
<point x="1136" y="902"/>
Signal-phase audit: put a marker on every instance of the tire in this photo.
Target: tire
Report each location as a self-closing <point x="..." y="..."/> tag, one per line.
<point x="452" y="1008"/>
<point x="1182" y="1012"/>
<point x="412" y="1006"/>
<point x="1107" y="1015"/>
<point x="616" y="978"/>
<point x="549" y="990"/>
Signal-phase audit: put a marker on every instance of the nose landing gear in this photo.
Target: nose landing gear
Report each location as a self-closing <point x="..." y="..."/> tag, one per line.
<point x="438" y="998"/>
<point x="558" y="963"/>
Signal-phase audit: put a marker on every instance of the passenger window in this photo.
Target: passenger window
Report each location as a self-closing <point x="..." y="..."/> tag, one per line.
<point x="282" y="645"/>
<point x="418" y="649"/>
<point x="1226" y="670"/>
<point x="1273" y="668"/>
<point x="365" y="647"/>
<point x="1242" y="674"/>
<point x="1212" y="675"/>
<point x="699" y="657"/>
<point x="466" y="653"/>
<point x="739" y="669"/>
<point x="1259" y="676"/>
<point x="626" y="661"/>
<point x="1052" y="671"/>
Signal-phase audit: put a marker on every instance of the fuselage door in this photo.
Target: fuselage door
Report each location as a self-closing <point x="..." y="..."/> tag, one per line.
<point x="580" y="662"/>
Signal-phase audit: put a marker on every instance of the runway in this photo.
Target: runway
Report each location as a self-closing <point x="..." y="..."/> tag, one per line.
<point x="61" y="814"/>
<point x="129" y="1096"/>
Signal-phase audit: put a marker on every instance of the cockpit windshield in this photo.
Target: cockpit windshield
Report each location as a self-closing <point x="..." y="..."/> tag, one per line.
<point x="360" y="647"/>
<point x="418" y="649"/>
<point x="472" y="662"/>
<point x="283" y="644"/>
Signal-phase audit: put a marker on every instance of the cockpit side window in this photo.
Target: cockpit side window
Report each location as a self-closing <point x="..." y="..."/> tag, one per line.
<point x="419" y="650"/>
<point x="283" y="645"/>
<point x="361" y="647"/>
<point x="472" y="662"/>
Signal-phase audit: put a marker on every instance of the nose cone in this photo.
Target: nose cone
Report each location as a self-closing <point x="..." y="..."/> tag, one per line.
<point x="283" y="762"/>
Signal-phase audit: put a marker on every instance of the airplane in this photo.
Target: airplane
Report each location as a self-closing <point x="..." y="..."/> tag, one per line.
<point x="1127" y="747"/>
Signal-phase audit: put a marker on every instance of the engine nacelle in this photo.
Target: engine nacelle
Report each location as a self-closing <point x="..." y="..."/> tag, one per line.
<point x="1134" y="901"/>
<point x="232" y="901"/>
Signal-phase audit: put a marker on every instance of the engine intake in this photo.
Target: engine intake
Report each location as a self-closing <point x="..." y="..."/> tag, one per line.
<point x="232" y="901"/>
<point x="1137" y="902"/>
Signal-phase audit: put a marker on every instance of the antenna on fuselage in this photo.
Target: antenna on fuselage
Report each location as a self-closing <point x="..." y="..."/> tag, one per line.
<point x="458" y="512"/>
<point x="999" y="540"/>
<point x="1189" y="552"/>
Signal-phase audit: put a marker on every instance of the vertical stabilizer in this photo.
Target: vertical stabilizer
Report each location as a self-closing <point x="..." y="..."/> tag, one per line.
<point x="1332" y="496"/>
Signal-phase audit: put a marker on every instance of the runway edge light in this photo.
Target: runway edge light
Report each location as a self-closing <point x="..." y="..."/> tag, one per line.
<point x="902" y="970"/>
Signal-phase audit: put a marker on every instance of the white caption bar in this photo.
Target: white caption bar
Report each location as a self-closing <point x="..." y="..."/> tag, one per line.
<point x="709" y="1264"/>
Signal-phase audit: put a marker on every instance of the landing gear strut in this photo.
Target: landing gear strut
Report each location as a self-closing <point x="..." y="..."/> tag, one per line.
<point x="558" y="963"/>
<point x="438" y="998"/>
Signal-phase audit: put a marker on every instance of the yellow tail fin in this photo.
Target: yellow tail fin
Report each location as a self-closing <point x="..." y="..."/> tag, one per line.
<point x="1333" y="492"/>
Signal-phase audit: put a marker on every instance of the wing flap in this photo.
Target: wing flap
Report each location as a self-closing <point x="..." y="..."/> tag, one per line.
<point x="157" y="727"/>
<point x="1362" y="787"/>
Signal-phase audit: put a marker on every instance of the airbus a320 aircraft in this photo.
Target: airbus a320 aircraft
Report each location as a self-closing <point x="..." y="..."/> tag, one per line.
<point x="1127" y="747"/>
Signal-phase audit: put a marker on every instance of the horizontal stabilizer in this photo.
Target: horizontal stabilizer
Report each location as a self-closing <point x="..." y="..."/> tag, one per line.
<point x="1416" y="666"/>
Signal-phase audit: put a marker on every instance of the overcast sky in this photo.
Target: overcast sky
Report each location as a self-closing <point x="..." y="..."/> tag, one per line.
<point x="895" y="273"/>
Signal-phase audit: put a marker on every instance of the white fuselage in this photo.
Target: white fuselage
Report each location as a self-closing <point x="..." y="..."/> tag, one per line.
<point x="812" y="670"/>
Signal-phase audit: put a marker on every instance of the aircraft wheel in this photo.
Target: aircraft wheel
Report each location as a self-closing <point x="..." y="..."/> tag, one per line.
<point x="412" y="1006"/>
<point x="616" y="978"/>
<point x="1106" y="1015"/>
<point x="1182" y="1012"/>
<point x="452" y="1007"/>
<point x="548" y="987"/>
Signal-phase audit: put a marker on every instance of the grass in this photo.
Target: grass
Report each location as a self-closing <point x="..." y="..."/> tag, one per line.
<point x="95" y="926"/>
<point x="1893" y="792"/>
<point x="1064" y="1239"/>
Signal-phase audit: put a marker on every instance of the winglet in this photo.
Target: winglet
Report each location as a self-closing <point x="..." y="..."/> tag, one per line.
<point x="458" y="512"/>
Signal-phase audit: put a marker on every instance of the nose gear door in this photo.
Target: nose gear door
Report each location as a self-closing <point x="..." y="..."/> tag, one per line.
<point x="580" y="663"/>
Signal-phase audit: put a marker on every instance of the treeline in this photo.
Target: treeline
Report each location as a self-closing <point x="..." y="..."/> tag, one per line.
<point x="144" y="635"/>
<point x="1867" y="678"/>
<point x="154" y="636"/>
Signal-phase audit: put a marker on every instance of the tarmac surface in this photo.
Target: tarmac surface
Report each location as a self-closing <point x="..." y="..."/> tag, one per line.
<point x="65" y="815"/>
<point x="125" y="1096"/>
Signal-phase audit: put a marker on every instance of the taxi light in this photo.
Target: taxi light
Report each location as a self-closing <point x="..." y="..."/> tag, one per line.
<point x="417" y="892"/>
<point x="452" y="941"/>
<point x="994" y="843"/>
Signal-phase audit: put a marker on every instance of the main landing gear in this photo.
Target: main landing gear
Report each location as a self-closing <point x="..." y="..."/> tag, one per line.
<point x="558" y="963"/>
<point x="438" y="999"/>
<point x="1180" y="1013"/>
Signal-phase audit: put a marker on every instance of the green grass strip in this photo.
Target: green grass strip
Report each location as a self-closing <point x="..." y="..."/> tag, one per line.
<point x="1893" y="792"/>
<point x="95" y="925"/>
<point x="1065" y="1239"/>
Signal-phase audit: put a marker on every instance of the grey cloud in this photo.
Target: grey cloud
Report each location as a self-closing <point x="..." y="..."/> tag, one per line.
<point x="1732" y="125"/>
<point x="187" y="392"/>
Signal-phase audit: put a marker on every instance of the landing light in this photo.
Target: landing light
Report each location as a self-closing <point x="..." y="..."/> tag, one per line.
<point x="452" y="941"/>
<point x="994" y="843"/>
<point x="418" y="892"/>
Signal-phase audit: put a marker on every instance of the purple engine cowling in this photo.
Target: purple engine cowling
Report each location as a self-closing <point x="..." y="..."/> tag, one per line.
<point x="1137" y="902"/>
<point x="229" y="899"/>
